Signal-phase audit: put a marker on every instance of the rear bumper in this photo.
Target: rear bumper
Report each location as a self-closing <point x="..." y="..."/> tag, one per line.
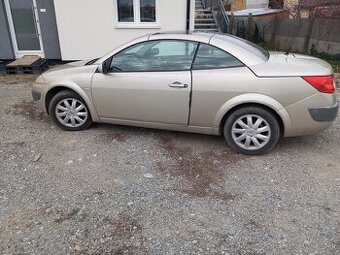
<point x="324" y="114"/>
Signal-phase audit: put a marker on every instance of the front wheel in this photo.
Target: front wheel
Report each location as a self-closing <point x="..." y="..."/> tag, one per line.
<point x="69" y="111"/>
<point x="252" y="131"/>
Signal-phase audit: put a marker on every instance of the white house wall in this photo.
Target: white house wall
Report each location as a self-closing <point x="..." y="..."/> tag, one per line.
<point x="87" y="28"/>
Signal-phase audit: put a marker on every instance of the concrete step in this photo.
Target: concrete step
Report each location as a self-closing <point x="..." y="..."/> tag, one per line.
<point x="203" y="16"/>
<point x="203" y="10"/>
<point x="205" y="20"/>
<point x="207" y="30"/>
<point x="206" y="25"/>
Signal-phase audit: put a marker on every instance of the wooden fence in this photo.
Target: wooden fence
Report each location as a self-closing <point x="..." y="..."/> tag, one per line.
<point x="313" y="35"/>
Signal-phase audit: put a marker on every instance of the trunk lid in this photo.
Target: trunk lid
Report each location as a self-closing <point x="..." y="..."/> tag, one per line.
<point x="290" y="64"/>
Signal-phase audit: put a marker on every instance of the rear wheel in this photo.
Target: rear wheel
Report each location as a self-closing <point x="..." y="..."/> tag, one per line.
<point x="69" y="111"/>
<point x="252" y="131"/>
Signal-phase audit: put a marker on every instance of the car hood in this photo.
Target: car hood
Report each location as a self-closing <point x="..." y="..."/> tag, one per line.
<point x="76" y="72"/>
<point x="289" y="64"/>
<point x="67" y="66"/>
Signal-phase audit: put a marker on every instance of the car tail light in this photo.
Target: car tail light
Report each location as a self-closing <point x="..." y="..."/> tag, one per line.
<point x="324" y="84"/>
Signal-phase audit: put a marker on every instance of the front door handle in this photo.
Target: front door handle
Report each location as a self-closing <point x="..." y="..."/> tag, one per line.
<point x="178" y="85"/>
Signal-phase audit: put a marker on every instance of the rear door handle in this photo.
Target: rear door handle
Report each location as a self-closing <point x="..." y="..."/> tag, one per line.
<point x="178" y="85"/>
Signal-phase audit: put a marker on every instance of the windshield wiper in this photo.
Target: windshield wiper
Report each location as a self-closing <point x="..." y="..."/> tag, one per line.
<point x="91" y="61"/>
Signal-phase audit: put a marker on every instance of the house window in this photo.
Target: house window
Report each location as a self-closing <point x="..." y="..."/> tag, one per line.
<point x="125" y="11"/>
<point x="136" y="12"/>
<point x="148" y="10"/>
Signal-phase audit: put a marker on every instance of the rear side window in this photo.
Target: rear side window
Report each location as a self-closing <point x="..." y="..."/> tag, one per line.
<point x="210" y="57"/>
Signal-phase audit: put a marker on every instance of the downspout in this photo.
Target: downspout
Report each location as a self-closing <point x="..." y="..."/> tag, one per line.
<point x="188" y="15"/>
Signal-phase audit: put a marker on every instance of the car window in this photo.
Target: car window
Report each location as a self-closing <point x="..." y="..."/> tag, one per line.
<point x="162" y="55"/>
<point x="210" y="57"/>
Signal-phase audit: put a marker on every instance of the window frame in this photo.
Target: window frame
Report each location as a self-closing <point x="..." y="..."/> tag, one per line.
<point x="213" y="68"/>
<point x="137" y="17"/>
<point x="108" y="61"/>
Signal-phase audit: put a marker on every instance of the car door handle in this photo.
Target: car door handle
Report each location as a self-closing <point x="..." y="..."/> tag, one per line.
<point x="178" y="85"/>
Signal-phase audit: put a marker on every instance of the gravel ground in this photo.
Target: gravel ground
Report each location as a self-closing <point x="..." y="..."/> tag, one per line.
<point x="123" y="190"/>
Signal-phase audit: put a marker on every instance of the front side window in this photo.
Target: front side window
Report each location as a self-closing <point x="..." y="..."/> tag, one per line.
<point x="210" y="57"/>
<point x="151" y="56"/>
<point x="136" y="11"/>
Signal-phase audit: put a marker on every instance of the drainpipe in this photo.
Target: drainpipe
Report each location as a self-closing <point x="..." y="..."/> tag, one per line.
<point x="188" y="15"/>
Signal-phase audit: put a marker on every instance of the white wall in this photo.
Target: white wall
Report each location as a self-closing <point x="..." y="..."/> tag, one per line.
<point x="87" y="28"/>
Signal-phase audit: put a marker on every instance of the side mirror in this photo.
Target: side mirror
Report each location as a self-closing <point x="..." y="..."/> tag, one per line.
<point x="104" y="67"/>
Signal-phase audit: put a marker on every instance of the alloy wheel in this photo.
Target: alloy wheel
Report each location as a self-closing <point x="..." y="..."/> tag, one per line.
<point x="251" y="132"/>
<point x="71" y="112"/>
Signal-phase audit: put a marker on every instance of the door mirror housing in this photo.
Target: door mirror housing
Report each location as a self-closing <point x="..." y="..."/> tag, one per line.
<point x="104" y="67"/>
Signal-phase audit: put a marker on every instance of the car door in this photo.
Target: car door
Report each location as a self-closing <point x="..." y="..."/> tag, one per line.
<point x="217" y="77"/>
<point x="149" y="82"/>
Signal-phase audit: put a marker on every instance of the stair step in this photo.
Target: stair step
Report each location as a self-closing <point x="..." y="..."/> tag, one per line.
<point x="206" y="30"/>
<point x="204" y="14"/>
<point x="203" y="10"/>
<point x="211" y="27"/>
<point x="204" y="17"/>
<point x="205" y="20"/>
<point x="206" y="24"/>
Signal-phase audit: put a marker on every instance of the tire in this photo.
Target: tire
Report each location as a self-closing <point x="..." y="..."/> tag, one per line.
<point x="252" y="131"/>
<point x="69" y="111"/>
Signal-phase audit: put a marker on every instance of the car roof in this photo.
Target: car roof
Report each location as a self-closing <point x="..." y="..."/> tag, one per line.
<point x="229" y="43"/>
<point x="183" y="35"/>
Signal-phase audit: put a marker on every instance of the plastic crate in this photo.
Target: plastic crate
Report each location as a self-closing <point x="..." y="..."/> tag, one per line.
<point x="3" y="64"/>
<point x="36" y="68"/>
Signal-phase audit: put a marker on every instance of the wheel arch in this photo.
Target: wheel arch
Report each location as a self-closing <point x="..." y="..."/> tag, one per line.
<point x="277" y="116"/>
<point x="247" y="100"/>
<point x="76" y="89"/>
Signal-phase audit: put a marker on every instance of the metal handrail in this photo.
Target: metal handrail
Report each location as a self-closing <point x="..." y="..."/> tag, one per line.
<point x="219" y="13"/>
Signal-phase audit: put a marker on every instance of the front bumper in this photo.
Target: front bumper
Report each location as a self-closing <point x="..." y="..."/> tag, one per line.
<point x="36" y="95"/>
<point x="324" y="114"/>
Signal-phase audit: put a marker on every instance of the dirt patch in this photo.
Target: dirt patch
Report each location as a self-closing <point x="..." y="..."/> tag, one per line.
<point x="15" y="79"/>
<point x="110" y="137"/>
<point x="29" y="109"/>
<point x="123" y="235"/>
<point x="64" y="217"/>
<point x="202" y="171"/>
<point x="128" y="235"/>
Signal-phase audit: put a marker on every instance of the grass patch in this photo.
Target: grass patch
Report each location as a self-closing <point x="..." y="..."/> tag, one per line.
<point x="335" y="65"/>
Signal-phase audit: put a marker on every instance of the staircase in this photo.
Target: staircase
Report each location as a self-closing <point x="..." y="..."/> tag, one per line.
<point x="204" y="18"/>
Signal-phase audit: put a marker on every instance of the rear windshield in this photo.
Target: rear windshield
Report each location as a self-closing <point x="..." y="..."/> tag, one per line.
<point x="252" y="47"/>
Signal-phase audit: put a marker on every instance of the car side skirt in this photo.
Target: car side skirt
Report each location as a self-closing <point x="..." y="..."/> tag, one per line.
<point x="165" y="126"/>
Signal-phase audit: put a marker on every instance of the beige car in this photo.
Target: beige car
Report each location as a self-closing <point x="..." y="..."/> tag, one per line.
<point x="205" y="83"/>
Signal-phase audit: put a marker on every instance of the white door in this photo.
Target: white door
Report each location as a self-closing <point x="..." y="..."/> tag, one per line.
<point x="24" y="26"/>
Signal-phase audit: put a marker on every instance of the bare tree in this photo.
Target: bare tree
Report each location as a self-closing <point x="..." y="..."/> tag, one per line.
<point x="306" y="8"/>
